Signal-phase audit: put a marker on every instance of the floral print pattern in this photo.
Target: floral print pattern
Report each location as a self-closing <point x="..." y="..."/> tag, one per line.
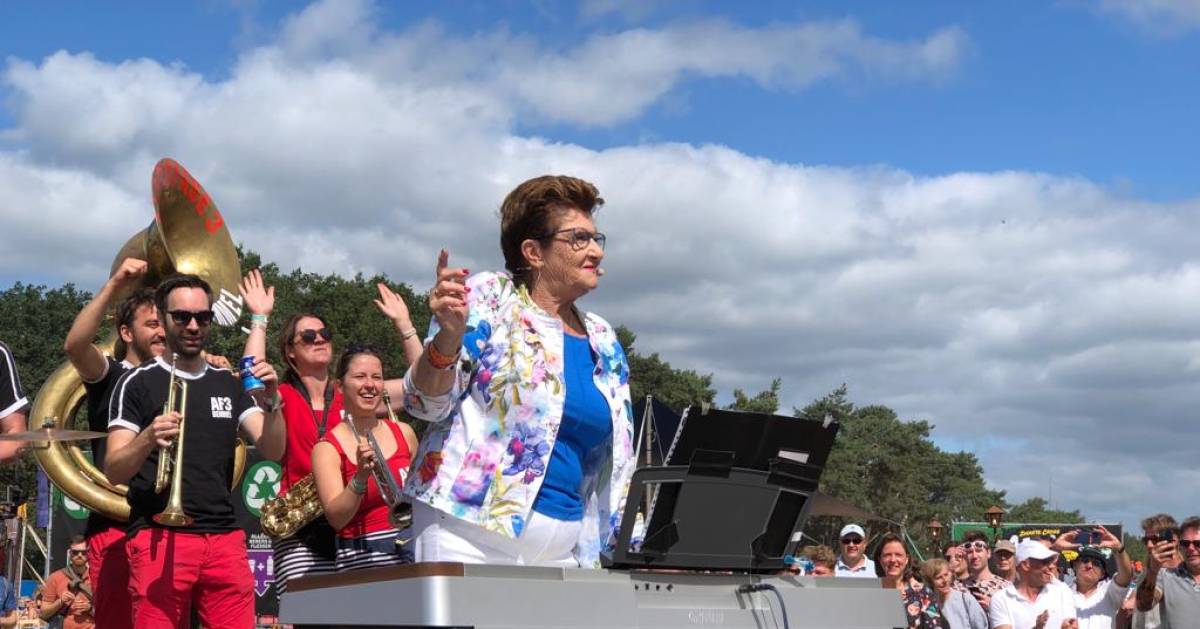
<point x="921" y="607"/>
<point x="485" y="455"/>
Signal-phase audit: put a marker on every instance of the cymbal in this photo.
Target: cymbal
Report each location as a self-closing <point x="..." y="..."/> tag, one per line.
<point x="53" y="434"/>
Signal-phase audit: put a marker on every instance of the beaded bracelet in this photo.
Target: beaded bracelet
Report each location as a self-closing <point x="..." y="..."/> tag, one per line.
<point x="408" y="334"/>
<point x="437" y="359"/>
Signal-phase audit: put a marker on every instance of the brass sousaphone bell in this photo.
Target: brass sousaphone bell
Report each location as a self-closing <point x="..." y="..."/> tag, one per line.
<point x="188" y="235"/>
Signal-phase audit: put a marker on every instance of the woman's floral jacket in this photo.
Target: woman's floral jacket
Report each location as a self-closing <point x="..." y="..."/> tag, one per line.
<point x="485" y="456"/>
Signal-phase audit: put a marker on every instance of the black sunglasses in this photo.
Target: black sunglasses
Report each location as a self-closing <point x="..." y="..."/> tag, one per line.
<point x="852" y="540"/>
<point x="77" y="552"/>
<point x="308" y="337"/>
<point x="183" y="317"/>
<point x="1189" y="543"/>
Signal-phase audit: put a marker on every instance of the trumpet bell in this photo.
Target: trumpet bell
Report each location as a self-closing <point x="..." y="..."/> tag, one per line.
<point x="173" y="517"/>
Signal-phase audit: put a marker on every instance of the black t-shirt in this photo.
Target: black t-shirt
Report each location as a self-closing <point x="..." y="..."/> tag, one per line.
<point x="12" y="396"/>
<point x="216" y="406"/>
<point x="98" y="395"/>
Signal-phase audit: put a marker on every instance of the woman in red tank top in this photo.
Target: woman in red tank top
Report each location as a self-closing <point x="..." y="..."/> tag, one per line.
<point x="311" y="407"/>
<point x="344" y="467"/>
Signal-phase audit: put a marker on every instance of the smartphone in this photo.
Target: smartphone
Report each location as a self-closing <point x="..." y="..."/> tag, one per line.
<point x="1085" y="537"/>
<point x="1167" y="535"/>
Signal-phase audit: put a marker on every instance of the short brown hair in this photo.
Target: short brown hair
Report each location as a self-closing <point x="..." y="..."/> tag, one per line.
<point x="930" y="568"/>
<point x="529" y="210"/>
<point x="1159" y="522"/>
<point x="1190" y="523"/>
<point x="971" y="536"/>
<point x="78" y="539"/>
<point x="821" y="556"/>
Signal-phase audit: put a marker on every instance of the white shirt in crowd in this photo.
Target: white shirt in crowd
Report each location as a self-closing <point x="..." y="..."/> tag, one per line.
<point x="1097" y="610"/>
<point x="1010" y="608"/>
<point x="864" y="569"/>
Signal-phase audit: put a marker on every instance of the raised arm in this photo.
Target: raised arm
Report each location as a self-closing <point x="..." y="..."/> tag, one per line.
<point x="393" y="307"/>
<point x="260" y="301"/>
<point x="83" y="354"/>
<point x="267" y="428"/>
<point x="448" y="303"/>
<point x="13" y="405"/>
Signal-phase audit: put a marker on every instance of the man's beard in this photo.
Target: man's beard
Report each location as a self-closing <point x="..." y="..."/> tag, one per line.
<point x="176" y="345"/>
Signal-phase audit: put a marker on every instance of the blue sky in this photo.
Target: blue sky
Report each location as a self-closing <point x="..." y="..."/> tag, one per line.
<point x="1055" y="87"/>
<point x="979" y="214"/>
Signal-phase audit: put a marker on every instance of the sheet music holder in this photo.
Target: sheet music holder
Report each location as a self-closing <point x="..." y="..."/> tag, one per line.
<point x="735" y="488"/>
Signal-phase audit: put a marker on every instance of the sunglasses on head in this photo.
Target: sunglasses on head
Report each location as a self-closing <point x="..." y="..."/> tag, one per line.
<point x="308" y="337"/>
<point x="850" y="539"/>
<point x="183" y="317"/>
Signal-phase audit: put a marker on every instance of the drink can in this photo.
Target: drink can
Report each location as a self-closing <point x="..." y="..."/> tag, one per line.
<point x="250" y="382"/>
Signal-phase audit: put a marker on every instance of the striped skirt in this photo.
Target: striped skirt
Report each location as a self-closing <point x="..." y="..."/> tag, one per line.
<point x="293" y="559"/>
<point x="385" y="548"/>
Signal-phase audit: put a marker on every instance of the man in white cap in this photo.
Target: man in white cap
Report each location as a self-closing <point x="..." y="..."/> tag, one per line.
<point x="853" y="561"/>
<point x="1037" y="600"/>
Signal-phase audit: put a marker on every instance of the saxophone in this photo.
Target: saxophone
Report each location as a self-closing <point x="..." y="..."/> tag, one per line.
<point x="289" y="512"/>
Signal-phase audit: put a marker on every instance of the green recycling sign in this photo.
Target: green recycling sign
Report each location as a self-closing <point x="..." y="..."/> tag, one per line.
<point x="73" y="509"/>
<point x="260" y="485"/>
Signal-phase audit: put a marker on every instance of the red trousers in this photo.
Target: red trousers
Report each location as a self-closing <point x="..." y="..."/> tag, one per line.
<point x="170" y="571"/>
<point x="108" y="574"/>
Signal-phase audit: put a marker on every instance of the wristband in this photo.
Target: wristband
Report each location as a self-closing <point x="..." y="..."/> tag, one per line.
<point x="438" y="360"/>
<point x="258" y="325"/>
<point x="404" y="336"/>
<point x="258" y="317"/>
<point x="357" y="486"/>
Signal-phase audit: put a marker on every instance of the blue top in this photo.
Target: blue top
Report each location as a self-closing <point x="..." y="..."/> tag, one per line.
<point x="8" y="598"/>
<point x="586" y="424"/>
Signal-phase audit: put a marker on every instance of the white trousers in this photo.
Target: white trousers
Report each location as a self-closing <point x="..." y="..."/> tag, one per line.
<point x="543" y="542"/>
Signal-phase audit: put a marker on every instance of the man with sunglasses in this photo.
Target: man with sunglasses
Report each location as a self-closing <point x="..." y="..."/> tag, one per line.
<point x="980" y="582"/>
<point x="203" y="562"/>
<point x="1038" y="600"/>
<point x="853" y="560"/>
<point x="1175" y="592"/>
<point x="67" y="591"/>
<point x="1097" y="598"/>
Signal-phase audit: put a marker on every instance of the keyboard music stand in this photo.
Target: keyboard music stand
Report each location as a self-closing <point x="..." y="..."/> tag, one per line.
<point x="735" y="489"/>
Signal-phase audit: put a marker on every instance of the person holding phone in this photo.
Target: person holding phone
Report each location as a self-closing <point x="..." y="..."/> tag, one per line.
<point x="1175" y="591"/>
<point x="1098" y="598"/>
<point x="980" y="582"/>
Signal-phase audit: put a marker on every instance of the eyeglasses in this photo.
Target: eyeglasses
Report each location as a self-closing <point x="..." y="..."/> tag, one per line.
<point x="77" y="552"/>
<point x="308" y="337"/>
<point x="1189" y="543"/>
<point x="852" y="541"/>
<point x="979" y="545"/>
<point x="183" y="317"/>
<point x="578" y="238"/>
<point x="1092" y="561"/>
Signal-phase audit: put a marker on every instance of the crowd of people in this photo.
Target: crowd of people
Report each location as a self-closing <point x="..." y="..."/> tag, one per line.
<point x="1081" y="579"/>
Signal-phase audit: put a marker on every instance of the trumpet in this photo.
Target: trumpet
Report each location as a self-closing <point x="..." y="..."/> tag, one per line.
<point x="399" y="513"/>
<point x="170" y="458"/>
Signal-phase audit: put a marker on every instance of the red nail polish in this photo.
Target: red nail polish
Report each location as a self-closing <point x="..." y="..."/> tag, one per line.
<point x="466" y="272"/>
<point x="467" y="288"/>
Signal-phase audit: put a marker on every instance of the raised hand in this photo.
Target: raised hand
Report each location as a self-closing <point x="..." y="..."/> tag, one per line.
<point x="259" y="299"/>
<point x="130" y="271"/>
<point x="448" y="301"/>
<point x="364" y="459"/>
<point x="391" y="305"/>
<point x="1107" y="539"/>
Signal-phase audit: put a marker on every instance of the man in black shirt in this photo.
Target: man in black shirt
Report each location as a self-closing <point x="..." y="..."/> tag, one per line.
<point x="204" y="562"/>
<point x="141" y="337"/>
<point x="13" y="405"/>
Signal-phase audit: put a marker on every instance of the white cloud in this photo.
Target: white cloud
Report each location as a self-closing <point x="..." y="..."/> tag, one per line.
<point x="1043" y="320"/>
<point x="1169" y="17"/>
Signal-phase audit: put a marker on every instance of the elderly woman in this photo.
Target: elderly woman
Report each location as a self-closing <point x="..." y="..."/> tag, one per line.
<point x="959" y="609"/>
<point x="529" y="454"/>
<point x="894" y="568"/>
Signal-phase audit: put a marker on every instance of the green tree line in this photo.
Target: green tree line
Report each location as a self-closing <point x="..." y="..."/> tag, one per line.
<point x="880" y="463"/>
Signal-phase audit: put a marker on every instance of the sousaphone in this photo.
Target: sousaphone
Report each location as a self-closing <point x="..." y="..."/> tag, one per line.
<point x="187" y="235"/>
